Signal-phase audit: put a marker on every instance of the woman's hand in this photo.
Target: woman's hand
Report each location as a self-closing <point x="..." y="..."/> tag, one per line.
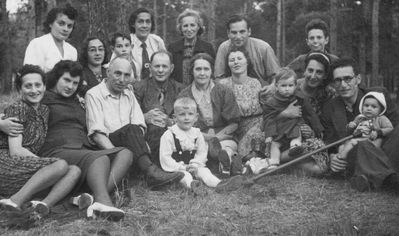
<point x="292" y="111"/>
<point x="337" y="164"/>
<point x="11" y="126"/>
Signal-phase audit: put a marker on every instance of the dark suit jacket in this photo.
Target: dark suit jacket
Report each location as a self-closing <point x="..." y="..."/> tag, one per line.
<point x="177" y="50"/>
<point x="334" y="117"/>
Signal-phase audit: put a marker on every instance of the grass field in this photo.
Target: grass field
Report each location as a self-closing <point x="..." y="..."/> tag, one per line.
<point x="286" y="204"/>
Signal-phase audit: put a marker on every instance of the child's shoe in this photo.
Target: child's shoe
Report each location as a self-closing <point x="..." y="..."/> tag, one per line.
<point x="224" y="163"/>
<point x="108" y="212"/>
<point x="236" y="166"/>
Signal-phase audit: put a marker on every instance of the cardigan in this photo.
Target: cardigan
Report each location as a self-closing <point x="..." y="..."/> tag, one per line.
<point x="177" y="50"/>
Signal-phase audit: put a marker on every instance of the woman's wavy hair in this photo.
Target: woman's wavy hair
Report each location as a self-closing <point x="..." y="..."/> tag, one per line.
<point x="206" y="57"/>
<point x="68" y="10"/>
<point x="250" y="68"/>
<point x="84" y="53"/>
<point x="74" y="68"/>
<point x="325" y="60"/>
<point x="193" y="13"/>
<point x="28" y="69"/>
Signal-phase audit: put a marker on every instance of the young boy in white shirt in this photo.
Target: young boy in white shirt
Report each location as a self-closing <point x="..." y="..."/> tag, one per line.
<point x="183" y="148"/>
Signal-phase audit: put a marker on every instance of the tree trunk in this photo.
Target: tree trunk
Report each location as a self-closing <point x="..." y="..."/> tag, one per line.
<point x="5" y="56"/>
<point x="208" y="7"/>
<point x="282" y="61"/>
<point x="97" y="18"/>
<point x="164" y="25"/>
<point x="375" y="46"/>
<point x="155" y="10"/>
<point x="333" y="26"/>
<point x="278" y="30"/>
<point x="363" y="42"/>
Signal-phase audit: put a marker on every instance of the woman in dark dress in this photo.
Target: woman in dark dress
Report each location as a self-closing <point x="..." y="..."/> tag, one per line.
<point x="22" y="173"/>
<point x="67" y="139"/>
<point x="92" y="57"/>
<point x="190" y="26"/>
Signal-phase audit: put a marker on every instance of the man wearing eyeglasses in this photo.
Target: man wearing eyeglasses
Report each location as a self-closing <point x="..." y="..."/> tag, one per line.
<point x="368" y="165"/>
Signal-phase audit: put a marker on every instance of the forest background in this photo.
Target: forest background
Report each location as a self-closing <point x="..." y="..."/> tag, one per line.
<point x="367" y="30"/>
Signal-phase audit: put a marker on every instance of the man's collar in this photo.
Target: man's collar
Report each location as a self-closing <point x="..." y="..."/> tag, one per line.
<point x="106" y="93"/>
<point x="137" y="41"/>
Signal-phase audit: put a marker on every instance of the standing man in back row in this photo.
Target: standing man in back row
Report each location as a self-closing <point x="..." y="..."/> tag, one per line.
<point x="261" y="54"/>
<point x="144" y="43"/>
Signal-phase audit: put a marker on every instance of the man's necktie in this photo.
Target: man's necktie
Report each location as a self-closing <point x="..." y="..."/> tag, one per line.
<point x="145" y="69"/>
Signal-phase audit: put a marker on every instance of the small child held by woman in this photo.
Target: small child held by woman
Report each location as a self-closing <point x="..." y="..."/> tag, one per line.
<point x="283" y="131"/>
<point x="370" y="123"/>
<point x="183" y="148"/>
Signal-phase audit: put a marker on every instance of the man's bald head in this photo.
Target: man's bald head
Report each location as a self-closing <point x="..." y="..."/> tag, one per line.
<point x="119" y="75"/>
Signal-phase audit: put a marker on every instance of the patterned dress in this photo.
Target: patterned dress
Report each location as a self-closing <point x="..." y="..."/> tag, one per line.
<point x="15" y="171"/>
<point x="247" y="97"/>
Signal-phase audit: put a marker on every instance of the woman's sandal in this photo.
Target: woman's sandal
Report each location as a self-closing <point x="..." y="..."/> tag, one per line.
<point x="8" y="205"/>
<point x="82" y="201"/>
<point x="40" y="207"/>
<point x="108" y="212"/>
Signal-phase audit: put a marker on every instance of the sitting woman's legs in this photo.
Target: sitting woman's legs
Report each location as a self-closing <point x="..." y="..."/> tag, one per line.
<point x="119" y="167"/>
<point x="97" y="180"/>
<point x="63" y="186"/>
<point x="42" y="179"/>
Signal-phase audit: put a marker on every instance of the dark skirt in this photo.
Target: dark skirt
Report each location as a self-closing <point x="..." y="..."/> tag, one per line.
<point x="83" y="158"/>
<point x="15" y="171"/>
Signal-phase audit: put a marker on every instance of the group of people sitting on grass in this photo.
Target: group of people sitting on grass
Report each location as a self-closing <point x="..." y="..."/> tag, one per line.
<point x="184" y="114"/>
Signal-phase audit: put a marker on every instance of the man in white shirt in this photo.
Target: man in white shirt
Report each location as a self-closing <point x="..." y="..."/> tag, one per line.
<point x="144" y="43"/>
<point x="114" y="118"/>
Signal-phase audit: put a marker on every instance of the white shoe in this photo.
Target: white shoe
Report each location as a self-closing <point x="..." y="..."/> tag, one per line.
<point x="82" y="201"/>
<point x="8" y="204"/>
<point x="40" y="207"/>
<point x="100" y="210"/>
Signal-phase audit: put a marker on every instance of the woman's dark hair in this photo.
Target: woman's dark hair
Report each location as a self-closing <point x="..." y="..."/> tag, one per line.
<point x="84" y="53"/>
<point x="68" y="10"/>
<point x="250" y="69"/>
<point x="133" y="18"/>
<point x="204" y="56"/>
<point x="322" y="58"/>
<point x="74" y="68"/>
<point x="28" y="69"/>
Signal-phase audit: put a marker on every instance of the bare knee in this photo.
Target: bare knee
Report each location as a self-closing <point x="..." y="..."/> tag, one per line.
<point x="60" y="167"/>
<point x="74" y="171"/>
<point x="127" y="156"/>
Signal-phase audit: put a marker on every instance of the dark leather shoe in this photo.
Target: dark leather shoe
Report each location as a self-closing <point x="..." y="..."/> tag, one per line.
<point x="157" y="177"/>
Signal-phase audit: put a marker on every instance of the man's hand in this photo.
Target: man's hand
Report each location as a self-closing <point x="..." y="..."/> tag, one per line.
<point x="337" y="164"/>
<point x="156" y="117"/>
<point x="292" y="111"/>
<point x="11" y="126"/>
<point x="352" y="125"/>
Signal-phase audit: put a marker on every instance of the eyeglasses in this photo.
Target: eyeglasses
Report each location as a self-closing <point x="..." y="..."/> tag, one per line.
<point x="346" y="79"/>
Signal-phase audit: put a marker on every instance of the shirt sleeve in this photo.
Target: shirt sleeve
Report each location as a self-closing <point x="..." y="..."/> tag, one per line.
<point x="270" y="62"/>
<point x="34" y="55"/>
<point x="94" y="115"/>
<point x="200" y="157"/>
<point x="166" y="149"/>
<point x="385" y="124"/>
<point x="220" y="63"/>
